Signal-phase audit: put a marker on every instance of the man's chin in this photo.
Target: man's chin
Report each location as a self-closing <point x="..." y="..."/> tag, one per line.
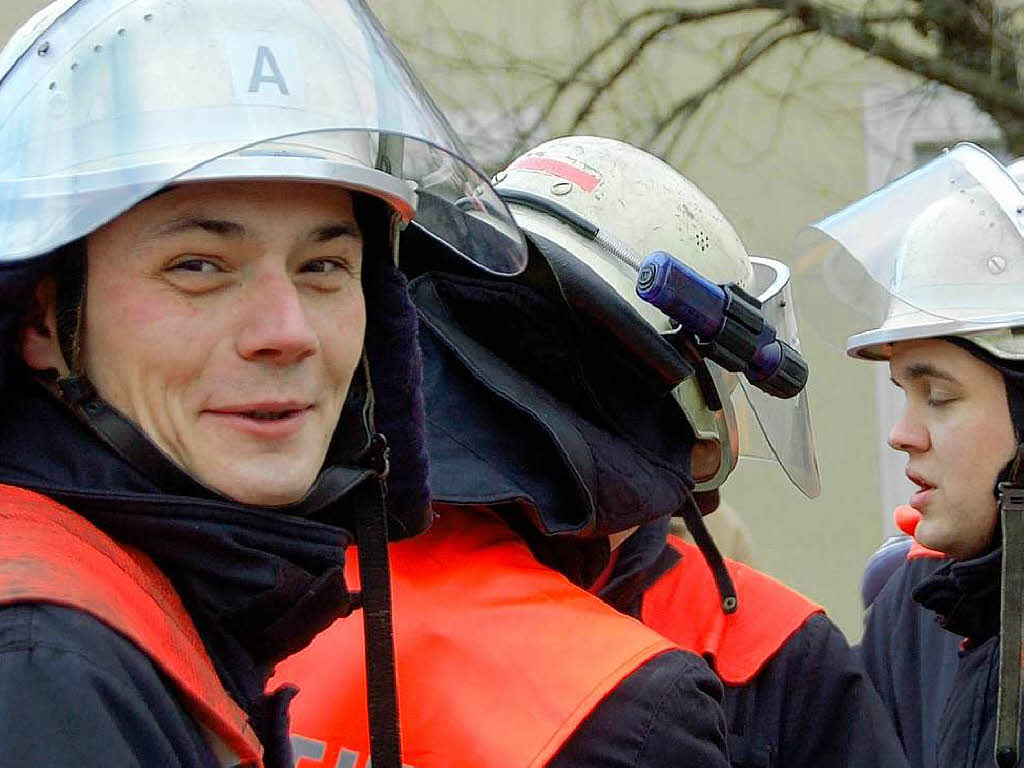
<point x="263" y="487"/>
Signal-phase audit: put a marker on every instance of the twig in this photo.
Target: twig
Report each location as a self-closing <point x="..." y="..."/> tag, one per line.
<point x="751" y="52"/>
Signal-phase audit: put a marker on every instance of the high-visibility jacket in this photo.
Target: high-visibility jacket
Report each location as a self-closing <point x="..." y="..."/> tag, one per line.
<point x="685" y="607"/>
<point x="49" y="554"/>
<point x="499" y="658"/>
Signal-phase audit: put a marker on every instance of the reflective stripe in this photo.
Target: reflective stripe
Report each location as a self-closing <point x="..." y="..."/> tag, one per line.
<point x="684" y="606"/>
<point x="499" y="658"/>
<point x="49" y="554"/>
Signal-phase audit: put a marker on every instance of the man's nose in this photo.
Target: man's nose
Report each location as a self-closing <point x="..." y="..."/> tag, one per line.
<point x="908" y="434"/>
<point x="275" y="324"/>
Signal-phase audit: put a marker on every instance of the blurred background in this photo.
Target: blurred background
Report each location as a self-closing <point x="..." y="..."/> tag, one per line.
<point x="781" y="111"/>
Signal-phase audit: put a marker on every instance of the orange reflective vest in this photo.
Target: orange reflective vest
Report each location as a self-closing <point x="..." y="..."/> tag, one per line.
<point x="684" y="606"/>
<point x="49" y="554"/>
<point x="499" y="659"/>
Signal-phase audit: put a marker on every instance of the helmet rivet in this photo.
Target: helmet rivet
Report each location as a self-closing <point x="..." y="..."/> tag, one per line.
<point x="996" y="265"/>
<point x="43" y="49"/>
<point x="500" y="177"/>
<point x="561" y="188"/>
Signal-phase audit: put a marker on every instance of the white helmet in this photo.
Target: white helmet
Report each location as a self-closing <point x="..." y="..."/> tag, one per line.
<point x="608" y="203"/>
<point x="103" y="102"/>
<point x="939" y="252"/>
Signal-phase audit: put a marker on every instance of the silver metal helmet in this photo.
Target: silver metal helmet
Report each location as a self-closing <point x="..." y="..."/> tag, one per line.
<point x="104" y="102"/>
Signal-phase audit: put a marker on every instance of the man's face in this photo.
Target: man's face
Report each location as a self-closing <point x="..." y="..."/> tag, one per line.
<point x="957" y="433"/>
<point x="226" y="319"/>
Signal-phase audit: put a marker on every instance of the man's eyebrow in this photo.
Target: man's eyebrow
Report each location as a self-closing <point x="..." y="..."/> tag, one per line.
<point x="221" y="227"/>
<point x="326" y="232"/>
<point x="226" y="228"/>
<point x="916" y="371"/>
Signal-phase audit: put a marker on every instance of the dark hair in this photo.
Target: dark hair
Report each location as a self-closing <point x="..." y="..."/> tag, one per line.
<point x="1013" y="376"/>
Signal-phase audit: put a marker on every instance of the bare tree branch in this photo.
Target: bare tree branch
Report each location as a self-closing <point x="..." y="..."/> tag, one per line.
<point x="676" y="18"/>
<point x="758" y="45"/>
<point x="626" y="63"/>
<point x="974" y="48"/>
<point x="854" y="32"/>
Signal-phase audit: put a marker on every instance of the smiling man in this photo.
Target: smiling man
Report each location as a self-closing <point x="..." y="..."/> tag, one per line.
<point x="248" y="317"/>
<point x="939" y="256"/>
<point x="207" y="349"/>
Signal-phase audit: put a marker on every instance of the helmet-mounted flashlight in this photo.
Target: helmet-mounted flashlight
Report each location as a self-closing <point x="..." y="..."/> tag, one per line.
<point x="727" y="322"/>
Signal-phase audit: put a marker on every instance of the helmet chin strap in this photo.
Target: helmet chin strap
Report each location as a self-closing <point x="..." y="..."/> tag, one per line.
<point x="693" y="516"/>
<point x="78" y="393"/>
<point x="1011" y="633"/>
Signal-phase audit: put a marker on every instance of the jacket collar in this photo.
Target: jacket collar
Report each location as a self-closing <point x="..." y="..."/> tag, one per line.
<point x="965" y="596"/>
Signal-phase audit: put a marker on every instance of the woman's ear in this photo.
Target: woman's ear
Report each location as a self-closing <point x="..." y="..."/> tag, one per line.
<point x="40" y="348"/>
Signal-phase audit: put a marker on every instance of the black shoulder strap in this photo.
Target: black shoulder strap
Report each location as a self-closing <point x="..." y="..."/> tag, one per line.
<point x="1011" y="624"/>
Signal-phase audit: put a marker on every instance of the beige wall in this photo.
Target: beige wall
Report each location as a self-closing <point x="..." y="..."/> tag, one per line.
<point x="778" y="148"/>
<point x="14" y="12"/>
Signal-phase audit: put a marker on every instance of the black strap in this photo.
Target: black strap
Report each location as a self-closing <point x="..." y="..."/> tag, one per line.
<point x="1011" y="624"/>
<point x="126" y="439"/>
<point x="706" y="544"/>
<point x="374" y="575"/>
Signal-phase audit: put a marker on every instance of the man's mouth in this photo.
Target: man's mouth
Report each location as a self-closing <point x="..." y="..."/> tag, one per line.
<point x="921" y="498"/>
<point x="272" y="420"/>
<point x="272" y="415"/>
<point x="919" y="481"/>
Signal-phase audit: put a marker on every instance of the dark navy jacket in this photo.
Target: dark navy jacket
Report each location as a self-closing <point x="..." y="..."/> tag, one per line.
<point x="74" y="692"/>
<point x="931" y="646"/>
<point x="663" y="715"/>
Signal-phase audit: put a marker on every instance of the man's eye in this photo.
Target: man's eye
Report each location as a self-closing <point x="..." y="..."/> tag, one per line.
<point x="202" y="266"/>
<point x="940" y="399"/>
<point x="327" y="266"/>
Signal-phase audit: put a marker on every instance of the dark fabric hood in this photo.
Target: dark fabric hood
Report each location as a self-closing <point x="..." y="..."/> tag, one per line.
<point x="533" y="403"/>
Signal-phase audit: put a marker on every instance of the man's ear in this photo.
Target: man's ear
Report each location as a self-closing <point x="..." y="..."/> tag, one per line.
<point x="40" y="348"/>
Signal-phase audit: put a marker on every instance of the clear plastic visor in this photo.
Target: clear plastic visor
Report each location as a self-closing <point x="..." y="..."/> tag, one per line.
<point x="101" y="109"/>
<point x="771" y="428"/>
<point x="938" y="251"/>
